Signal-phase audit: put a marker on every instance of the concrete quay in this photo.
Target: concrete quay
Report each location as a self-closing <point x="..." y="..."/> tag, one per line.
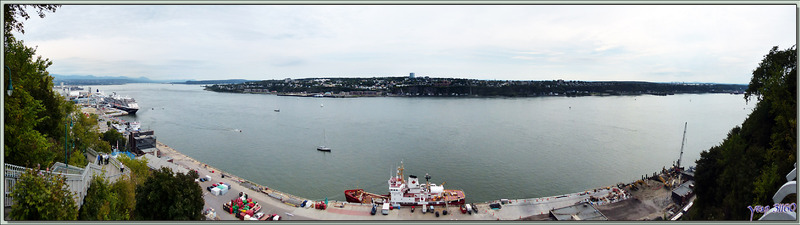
<point x="513" y="210"/>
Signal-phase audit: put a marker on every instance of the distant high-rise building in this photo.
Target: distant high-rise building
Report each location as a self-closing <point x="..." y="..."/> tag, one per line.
<point x="411" y="76"/>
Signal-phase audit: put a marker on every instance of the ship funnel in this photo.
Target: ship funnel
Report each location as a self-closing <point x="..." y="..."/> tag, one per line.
<point x="413" y="182"/>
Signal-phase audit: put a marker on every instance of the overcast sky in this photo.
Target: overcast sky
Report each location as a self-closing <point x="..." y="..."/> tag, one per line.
<point x="661" y="43"/>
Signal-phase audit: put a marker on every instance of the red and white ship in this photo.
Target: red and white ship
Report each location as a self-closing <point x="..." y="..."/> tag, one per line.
<point x="410" y="192"/>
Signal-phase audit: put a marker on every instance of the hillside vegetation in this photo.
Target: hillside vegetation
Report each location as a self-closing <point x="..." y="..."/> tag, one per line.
<point x="749" y="166"/>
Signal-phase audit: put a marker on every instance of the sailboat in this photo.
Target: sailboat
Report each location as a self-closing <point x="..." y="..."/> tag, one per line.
<point x="322" y="147"/>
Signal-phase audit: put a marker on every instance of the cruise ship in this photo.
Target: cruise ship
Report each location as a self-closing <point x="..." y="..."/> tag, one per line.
<point x="124" y="103"/>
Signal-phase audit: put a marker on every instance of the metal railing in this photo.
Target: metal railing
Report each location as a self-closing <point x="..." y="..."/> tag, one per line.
<point x="77" y="183"/>
<point x="784" y="213"/>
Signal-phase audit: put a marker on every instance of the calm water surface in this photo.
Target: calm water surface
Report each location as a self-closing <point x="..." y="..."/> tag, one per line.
<point x="489" y="147"/>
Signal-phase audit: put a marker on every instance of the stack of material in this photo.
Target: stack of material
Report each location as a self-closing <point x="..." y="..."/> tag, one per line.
<point x="220" y="189"/>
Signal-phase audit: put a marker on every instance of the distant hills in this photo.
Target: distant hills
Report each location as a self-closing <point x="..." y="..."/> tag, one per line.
<point x="95" y="80"/>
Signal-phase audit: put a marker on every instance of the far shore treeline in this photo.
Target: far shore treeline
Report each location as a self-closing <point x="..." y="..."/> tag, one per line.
<point x="427" y="86"/>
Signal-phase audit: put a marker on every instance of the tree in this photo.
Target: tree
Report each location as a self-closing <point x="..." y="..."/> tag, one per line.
<point x="42" y="196"/>
<point x="140" y="172"/>
<point x="125" y="190"/>
<point x="85" y="134"/>
<point x="749" y="166"/>
<point x="106" y="201"/>
<point x="113" y="137"/>
<point x="774" y="82"/>
<point x="169" y="196"/>
<point x="34" y="114"/>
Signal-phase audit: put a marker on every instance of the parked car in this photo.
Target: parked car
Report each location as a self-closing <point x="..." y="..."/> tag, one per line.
<point x="257" y="216"/>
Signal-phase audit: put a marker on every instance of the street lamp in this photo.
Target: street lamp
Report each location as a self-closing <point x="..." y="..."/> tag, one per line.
<point x="10" y="88"/>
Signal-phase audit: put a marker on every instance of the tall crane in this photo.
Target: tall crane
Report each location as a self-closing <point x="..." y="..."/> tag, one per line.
<point x="682" y="143"/>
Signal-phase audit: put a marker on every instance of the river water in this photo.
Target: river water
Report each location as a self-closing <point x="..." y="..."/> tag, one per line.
<point x="491" y="148"/>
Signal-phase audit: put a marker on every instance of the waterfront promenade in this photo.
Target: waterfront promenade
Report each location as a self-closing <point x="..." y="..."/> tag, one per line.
<point x="515" y="209"/>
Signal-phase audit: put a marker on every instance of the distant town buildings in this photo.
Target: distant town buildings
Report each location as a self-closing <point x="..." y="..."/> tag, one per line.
<point x="427" y="86"/>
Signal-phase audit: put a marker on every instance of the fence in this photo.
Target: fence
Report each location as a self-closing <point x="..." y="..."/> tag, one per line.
<point x="78" y="179"/>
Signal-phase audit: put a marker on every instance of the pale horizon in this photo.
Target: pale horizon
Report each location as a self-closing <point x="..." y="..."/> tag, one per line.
<point x="650" y="43"/>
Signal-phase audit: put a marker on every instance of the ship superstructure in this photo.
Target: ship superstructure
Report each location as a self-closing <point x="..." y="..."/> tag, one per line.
<point x="409" y="192"/>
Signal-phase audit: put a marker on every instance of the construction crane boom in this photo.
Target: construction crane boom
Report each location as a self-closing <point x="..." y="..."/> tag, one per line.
<point x="682" y="143"/>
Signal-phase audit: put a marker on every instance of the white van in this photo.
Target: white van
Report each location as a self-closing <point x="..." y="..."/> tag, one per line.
<point x="385" y="209"/>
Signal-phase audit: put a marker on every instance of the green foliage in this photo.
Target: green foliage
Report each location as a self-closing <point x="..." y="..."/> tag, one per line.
<point x="24" y="144"/>
<point x="125" y="189"/>
<point x="112" y="137"/>
<point x="106" y="201"/>
<point x="34" y="113"/>
<point x="140" y="172"/>
<point x="168" y="196"/>
<point x="86" y="136"/>
<point x="749" y="166"/>
<point x="42" y="197"/>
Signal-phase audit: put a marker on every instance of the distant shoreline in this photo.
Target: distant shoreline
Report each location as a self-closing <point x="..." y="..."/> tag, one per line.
<point x="448" y="87"/>
<point x="323" y="95"/>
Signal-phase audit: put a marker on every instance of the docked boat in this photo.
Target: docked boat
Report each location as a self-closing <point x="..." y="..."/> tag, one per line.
<point x="409" y="192"/>
<point x="124" y="103"/>
<point x="134" y="126"/>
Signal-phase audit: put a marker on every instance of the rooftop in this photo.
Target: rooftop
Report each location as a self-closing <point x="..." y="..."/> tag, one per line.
<point x="157" y="163"/>
<point x="684" y="189"/>
<point x="583" y="211"/>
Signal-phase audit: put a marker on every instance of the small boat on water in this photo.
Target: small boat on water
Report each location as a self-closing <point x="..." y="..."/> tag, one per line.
<point x="322" y="147"/>
<point x="277" y="110"/>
